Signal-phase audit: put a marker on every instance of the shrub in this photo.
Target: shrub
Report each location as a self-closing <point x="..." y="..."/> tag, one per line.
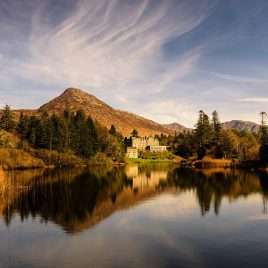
<point x="100" y="159"/>
<point x="58" y="159"/>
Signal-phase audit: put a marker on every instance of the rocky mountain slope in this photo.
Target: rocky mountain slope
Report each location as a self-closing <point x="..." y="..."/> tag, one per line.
<point x="241" y="125"/>
<point x="235" y="124"/>
<point x="74" y="99"/>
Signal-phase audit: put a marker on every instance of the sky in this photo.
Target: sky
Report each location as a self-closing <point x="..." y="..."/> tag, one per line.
<point x="161" y="59"/>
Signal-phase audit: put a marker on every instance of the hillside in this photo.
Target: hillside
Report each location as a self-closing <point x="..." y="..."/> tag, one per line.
<point x="241" y="125"/>
<point x="74" y="99"/>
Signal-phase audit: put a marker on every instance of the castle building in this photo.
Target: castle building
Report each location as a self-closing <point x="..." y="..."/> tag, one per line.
<point x="141" y="143"/>
<point x="136" y="144"/>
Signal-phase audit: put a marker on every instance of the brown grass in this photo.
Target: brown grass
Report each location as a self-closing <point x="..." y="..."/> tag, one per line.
<point x="55" y="158"/>
<point x="11" y="158"/>
<point x="208" y="162"/>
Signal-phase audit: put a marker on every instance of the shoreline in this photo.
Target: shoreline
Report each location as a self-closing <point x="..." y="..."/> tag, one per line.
<point x="199" y="164"/>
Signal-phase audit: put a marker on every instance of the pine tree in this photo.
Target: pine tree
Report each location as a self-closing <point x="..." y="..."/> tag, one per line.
<point x="216" y="126"/>
<point x="22" y="127"/>
<point x="134" y="133"/>
<point x="34" y="134"/>
<point x="6" y="121"/>
<point x="263" y="152"/>
<point x="112" y="130"/>
<point x="202" y="134"/>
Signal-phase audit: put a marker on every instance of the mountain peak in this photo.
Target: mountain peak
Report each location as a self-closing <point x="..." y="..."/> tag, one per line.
<point x="75" y="99"/>
<point x="75" y="93"/>
<point x="73" y="90"/>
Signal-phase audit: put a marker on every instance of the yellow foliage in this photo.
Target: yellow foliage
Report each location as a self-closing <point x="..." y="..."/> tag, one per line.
<point x="208" y="162"/>
<point x="58" y="159"/>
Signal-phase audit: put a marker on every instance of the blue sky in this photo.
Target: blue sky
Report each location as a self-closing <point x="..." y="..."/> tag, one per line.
<point x="162" y="59"/>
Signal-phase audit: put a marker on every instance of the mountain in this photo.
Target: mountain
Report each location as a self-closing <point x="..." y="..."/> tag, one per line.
<point x="75" y="99"/>
<point x="176" y="127"/>
<point x="235" y="124"/>
<point x="241" y="125"/>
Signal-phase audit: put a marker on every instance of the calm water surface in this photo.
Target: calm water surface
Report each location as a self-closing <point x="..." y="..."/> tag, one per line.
<point x="134" y="216"/>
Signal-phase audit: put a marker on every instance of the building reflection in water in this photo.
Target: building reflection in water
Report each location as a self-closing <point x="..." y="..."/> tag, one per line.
<point x="145" y="180"/>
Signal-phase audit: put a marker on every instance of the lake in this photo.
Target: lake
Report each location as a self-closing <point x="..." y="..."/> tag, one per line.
<point x="134" y="216"/>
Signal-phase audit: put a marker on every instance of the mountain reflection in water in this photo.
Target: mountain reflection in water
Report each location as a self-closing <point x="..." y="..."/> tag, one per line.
<point x="79" y="199"/>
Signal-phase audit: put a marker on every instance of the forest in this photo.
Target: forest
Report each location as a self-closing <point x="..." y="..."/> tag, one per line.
<point x="73" y="139"/>
<point x="209" y="139"/>
<point x="63" y="140"/>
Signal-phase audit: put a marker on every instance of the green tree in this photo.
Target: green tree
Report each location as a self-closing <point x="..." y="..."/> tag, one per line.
<point x="112" y="130"/>
<point x="184" y="145"/>
<point x="134" y="133"/>
<point x="203" y="134"/>
<point x="216" y="127"/>
<point x="6" y="121"/>
<point x="22" y="127"/>
<point x="263" y="151"/>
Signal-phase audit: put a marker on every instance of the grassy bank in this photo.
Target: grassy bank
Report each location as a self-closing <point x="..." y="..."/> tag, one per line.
<point x="148" y="160"/>
<point x="208" y="162"/>
<point x="12" y="158"/>
<point x="54" y="158"/>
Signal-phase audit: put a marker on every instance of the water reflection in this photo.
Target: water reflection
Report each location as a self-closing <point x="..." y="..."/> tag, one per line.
<point x="79" y="199"/>
<point x="211" y="185"/>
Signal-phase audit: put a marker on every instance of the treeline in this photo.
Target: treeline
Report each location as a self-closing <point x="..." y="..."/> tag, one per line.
<point x="69" y="132"/>
<point x="209" y="139"/>
<point x="66" y="132"/>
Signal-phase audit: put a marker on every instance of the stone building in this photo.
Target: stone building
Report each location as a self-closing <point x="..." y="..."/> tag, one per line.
<point x="158" y="148"/>
<point x="132" y="152"/>
<point x="141" y="143"/>
<point x="138" y="144"/>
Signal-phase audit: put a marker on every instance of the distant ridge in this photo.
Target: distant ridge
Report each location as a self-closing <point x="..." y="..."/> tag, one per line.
<point x="241" y="125"/>
<point x="75" y="99"/>
<point x="176" y="127"/>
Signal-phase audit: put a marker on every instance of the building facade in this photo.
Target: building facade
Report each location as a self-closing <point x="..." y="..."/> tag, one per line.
<point x="132" y="152"/>
<point x="158" y="148"/>
<point x="138" y="144"/>
<point x="142" y="143"/>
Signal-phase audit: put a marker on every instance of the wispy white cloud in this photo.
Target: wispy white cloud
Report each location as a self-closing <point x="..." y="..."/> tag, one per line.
<point x="240" y="79"/>
<point x="257" y="100"/>
<point x="120" y="51"/>
<point x="112" y="46"/>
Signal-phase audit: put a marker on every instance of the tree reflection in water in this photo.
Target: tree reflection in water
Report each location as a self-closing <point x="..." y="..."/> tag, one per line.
<point x="211" y="185"/>
<point x="79" y="199"/>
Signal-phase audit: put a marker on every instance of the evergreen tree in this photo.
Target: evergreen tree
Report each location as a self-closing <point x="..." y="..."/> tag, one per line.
<point x="112" y="130"/>
<point x="67" y="130"/>
<point x="202" y="134"/>
<point x="58" y="131"/>
<point x="6" y="121"/>
<point x="185" y="145"/>
<point x="22" y="127"/>
<point x="134" y="133"/>
<point x="216" y="127"/>
<point x="34" y="135"/>
<point x="93" y="137"/>
<point x="263" y="152"/>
